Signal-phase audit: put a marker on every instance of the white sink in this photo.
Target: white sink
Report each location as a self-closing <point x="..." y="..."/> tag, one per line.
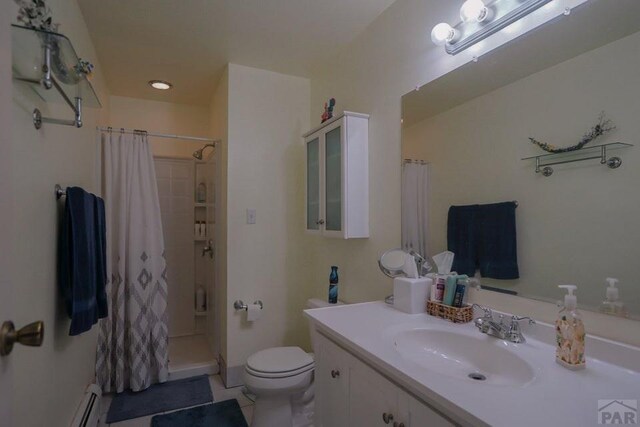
<point x="473" y="359"/>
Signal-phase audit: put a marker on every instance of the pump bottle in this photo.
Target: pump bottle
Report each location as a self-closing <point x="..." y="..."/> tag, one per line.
<point x="612" y="304"/>
<point x="570" y="333"/>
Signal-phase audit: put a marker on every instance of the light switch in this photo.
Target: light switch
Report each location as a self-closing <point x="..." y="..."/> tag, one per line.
<point x="251" y="216"/>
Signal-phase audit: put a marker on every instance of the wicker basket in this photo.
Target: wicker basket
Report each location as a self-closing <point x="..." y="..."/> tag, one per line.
<point x="454" y="314"/>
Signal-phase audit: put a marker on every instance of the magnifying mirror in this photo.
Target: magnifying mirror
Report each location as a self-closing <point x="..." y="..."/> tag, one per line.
<point x="392" y="261"/>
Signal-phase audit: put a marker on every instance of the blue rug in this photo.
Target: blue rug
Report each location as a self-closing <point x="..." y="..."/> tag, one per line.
<point x="220" y="414"/>
<point x="160" y="398"/>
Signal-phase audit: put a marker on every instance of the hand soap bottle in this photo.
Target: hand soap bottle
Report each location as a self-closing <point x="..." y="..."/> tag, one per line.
<point x="570" y="334"/>
<point x="612" y="305"/>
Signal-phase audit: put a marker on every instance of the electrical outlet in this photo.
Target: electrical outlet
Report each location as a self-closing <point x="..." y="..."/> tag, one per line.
<point x="251" y="216"/>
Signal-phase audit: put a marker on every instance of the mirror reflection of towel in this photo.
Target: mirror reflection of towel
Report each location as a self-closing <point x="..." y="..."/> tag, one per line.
<point x="82" y="271"/>
<point x="484" y="237"/>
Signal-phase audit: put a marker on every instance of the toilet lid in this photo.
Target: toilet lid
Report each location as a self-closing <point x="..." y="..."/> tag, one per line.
<point x="279" y="360"/>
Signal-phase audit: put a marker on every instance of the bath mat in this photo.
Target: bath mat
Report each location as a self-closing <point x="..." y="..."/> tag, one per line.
<point x="160" y="398"/>
<point x="220" y="414"/>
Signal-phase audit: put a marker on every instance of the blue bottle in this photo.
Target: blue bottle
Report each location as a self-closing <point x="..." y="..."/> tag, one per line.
<point x="333" y="285"/>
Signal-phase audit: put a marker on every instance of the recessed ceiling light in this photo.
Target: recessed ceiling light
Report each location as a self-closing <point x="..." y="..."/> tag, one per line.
<point x="160" y="84"/>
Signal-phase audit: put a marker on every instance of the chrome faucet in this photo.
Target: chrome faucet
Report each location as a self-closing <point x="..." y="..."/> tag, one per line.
<point x="509" y="332"/>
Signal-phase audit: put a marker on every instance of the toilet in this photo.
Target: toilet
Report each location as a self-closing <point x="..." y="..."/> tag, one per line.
<point x="282" y="380"/>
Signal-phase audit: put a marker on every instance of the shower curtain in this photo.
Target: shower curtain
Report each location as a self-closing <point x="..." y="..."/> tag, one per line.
<point x="132" y="347"/>
<point x="414" y="206"/>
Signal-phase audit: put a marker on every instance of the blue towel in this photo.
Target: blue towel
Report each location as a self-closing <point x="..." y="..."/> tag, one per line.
<point x="462" y="238"/>
<point x="82" y="259"/>
<point x="497" y="247"/>
<point x="484" y="237"/>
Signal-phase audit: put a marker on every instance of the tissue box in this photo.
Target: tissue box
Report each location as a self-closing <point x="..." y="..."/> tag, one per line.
<point x="410" y="295"/>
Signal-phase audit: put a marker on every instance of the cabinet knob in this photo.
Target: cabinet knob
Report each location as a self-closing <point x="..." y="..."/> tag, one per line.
<point x="387" y="418"/>
<point x="335" y="373"/>
<point x="320" y="222"/>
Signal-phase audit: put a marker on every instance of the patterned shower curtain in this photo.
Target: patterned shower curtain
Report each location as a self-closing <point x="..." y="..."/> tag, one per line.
<point x="132" y="347"/>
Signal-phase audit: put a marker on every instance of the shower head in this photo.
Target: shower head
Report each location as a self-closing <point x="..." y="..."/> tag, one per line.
<point x="198" y="153"/>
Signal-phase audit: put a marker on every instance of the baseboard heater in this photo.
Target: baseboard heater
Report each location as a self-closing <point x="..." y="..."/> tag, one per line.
<point x="88" y="412"/>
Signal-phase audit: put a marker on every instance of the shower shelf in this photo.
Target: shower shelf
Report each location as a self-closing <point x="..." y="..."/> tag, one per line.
<point x="545" y="161"/>
<point x="45" y="60"/>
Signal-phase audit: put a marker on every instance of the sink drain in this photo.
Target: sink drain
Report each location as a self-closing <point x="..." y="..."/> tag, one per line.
<point x="477" y="376"/>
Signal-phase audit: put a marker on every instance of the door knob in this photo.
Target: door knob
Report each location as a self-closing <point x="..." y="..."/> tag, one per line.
<point x="31" y="335"/>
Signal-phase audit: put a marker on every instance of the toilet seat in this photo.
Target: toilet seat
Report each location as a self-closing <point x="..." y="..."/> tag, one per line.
<point x="279" y="362"/>
<point x="276" y="375"/>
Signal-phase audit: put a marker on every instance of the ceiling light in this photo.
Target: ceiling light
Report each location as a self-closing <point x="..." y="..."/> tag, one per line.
<point x="474" y="10"/>
<point x="443" y="33"/>
<point x="160" y="84"/>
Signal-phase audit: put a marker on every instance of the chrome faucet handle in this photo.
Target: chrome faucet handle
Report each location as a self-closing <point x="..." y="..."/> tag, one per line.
<point x="516" y="319"/>
<point x="487" y="311"/>
<point x="515" y="333"/>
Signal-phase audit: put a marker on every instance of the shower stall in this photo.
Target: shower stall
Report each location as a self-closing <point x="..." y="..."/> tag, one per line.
<point x="186" y="189"/>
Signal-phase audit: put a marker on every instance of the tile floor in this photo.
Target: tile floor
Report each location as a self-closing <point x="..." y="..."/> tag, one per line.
<point x="220" y="393"/>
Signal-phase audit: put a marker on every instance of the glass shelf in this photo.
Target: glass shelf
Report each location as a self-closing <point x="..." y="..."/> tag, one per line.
<point x="545" y="161"/>
<point x="32" y="50"/>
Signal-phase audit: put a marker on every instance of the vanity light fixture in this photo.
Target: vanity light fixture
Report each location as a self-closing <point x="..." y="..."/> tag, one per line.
<point x="160" y="84"/>
<point x="480" y="20"/>
<point x="474" y="10"/>
<point x="443" y="33"/>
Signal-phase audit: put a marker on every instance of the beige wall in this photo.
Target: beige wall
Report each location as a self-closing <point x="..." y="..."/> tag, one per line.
<point x="162" y="117"/>
<point x="49" y="381"/>
<point x="578" y="226"/>
<point x="390" y="58"/>
<point x="268" y="112"/>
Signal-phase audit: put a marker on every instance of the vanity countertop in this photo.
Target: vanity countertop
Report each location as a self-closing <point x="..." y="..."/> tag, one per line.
<point x="555" y="395"/>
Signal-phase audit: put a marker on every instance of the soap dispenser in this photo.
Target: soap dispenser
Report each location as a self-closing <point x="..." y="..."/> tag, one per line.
<point x="570" y="334"/>
<point x="612" y="305"/>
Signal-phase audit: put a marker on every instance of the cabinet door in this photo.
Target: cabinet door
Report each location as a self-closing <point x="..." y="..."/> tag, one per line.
<point x="421" y="415"/>
<point x="331" y="376"/>
<point x="373" y="401"/>
<point x="313" y="184"/>
<point x="333" y="172"/>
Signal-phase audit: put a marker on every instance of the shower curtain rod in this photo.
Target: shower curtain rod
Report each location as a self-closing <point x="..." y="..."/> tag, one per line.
<point x="159" y="135"/>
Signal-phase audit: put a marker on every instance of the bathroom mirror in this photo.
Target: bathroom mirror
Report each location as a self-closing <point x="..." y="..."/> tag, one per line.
<point x="472" y="126"/>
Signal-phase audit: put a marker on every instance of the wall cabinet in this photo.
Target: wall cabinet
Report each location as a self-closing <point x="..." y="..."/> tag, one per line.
<point x="337" y="172"/>
<point x="351" y="393"/>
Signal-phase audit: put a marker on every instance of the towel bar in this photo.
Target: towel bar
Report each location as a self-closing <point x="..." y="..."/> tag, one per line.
<point x="60" y="192"/>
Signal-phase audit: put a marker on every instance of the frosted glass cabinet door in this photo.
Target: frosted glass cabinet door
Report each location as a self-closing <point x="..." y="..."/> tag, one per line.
<point x="313" y="184"/>
<point x="333" y="177"/>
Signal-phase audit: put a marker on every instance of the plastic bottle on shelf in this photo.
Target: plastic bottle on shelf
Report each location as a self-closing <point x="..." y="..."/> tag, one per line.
<point x="202" y="193"/>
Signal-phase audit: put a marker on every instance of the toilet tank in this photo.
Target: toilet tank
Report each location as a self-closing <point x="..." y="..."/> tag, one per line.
<point x="317" y="303"/>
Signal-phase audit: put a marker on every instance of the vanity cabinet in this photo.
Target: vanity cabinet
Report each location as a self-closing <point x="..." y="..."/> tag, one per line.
<point x="337" y="177"/>
<point x="349" y="393"/>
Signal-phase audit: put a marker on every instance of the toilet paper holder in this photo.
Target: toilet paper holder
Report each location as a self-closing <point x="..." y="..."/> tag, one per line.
<point x="240" y="305"/>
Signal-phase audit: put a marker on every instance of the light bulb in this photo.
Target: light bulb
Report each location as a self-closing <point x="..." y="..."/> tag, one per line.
<point x="473" y="10"/>
<point x="443" y="33"/>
